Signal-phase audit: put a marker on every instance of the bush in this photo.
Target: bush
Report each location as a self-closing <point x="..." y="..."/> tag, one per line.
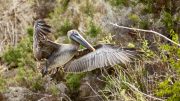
<point x="73" y="80"/>
<point x="2" y="84"/>
<point x="53" y="89"/>
<point x="118" y="3"/>
<point x="20" y="55"/>
<point x="93" y="29"/>
<point x="169" y="88"/>
<point x="88" y="8"/>
<point x="28" y="78"/>
<point x="65" y="27"/>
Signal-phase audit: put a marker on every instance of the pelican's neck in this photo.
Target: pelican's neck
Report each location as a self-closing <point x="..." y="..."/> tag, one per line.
<point x="75" y="44"/>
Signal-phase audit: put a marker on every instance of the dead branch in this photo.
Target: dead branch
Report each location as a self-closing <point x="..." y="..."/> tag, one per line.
<point x="149" y="31"/>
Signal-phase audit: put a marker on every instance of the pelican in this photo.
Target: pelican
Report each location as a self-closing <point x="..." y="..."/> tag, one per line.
<point x="71" y="59"/>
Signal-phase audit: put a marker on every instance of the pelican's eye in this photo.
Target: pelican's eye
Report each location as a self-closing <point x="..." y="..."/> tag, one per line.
<point x="74" y="33"/>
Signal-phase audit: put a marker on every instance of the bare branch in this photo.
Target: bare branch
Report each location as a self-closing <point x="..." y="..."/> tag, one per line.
<point x="94" y="91"/>
<point x="150" y="31"/>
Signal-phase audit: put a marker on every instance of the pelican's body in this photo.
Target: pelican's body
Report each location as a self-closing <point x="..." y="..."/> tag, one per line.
<point x="71" y="59"/>
<point x="64" y="54"/>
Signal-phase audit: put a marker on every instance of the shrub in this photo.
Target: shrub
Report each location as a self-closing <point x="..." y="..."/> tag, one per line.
<point x="169" y="88"/>
<point x="93" y="29"/>
<point x="167" y="20"/>
<point x="2" y="84"/>
<point x="28" y="78"/>
<point x="88" y="8"/>
<point x="118" y="3"/>
<point x="73" y="80"/>
<point x="53" y="89"/>
<point x="65" y="27"/>
<point x="20" y="55"/>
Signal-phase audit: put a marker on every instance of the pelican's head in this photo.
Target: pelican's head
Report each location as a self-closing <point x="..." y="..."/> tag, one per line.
<point x="76" y="37"/>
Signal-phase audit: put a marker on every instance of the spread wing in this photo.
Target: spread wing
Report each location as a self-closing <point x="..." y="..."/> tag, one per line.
<point x="42" y="46"/>
<point x="105" y="55"/>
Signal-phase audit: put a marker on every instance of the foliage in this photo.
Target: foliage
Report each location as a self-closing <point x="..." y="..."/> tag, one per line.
<point x="144" y="24"/>
<point x="135" y="18"/>
<point x="168" y="20"/>
<point x="167" y="89"/>
<point x="149" y="5"/>
<point x="60" y="23"/>
<point x="107" y="39"/>
<point x="66" y="26"/>
<point x="73" y="80"/>
<point x="120" y="87"/>
<point x="170" y="86"/>
<point x="60" y="7"/>
<point x="88" y="8"/>
<point x="2" y="84"/>
<point x="118" y="3"/>
<point x="53" y="89"/>
<point x="145" y="48"/>
<point x="93" y="29"/>
<point x="30" y="79"/>
<point x="20" y="55"/>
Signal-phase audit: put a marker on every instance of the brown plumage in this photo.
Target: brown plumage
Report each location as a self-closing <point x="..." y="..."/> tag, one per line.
<point x="105" y="55"/>
<point x="42" y="47"/>
<point x="71" y="59"/>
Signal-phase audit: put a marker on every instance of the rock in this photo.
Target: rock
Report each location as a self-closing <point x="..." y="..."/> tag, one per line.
<point x="3" y="68"/>
<point x="24" y="94"/>
<point x="51" y="98"/>
<point x="62" y="87"/>
<point x="20" y="94"/>
<point x="90" y="85"/>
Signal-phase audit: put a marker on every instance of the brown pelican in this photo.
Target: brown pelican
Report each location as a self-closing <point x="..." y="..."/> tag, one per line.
<point x="73" y="60"/>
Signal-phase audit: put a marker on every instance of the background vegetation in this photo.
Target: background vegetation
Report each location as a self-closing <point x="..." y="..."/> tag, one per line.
<point x="156" y="76"/>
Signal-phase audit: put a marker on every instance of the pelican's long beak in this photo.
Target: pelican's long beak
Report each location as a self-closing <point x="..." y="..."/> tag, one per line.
<point x="78" y="38"/>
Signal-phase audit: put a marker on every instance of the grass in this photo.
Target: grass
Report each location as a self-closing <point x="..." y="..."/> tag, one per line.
<point x="120" y="87"/>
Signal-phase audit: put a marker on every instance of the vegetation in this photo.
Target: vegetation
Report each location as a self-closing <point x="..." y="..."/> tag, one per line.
<point x="170" y="86"/>
<point x="118" y="3"/>
<point x="21" y="55"/>
<point x="93" y="30"/>
<point x="74" y="80"/>
<point x="154" y="76"/>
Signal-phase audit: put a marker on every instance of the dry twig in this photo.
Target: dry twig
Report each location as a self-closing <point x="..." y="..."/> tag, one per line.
<point x="149" y="31"/>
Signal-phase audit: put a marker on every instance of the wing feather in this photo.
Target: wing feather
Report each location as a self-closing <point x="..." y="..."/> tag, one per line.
<point x="105" y="55"/>
<point x="42" y="46"/>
